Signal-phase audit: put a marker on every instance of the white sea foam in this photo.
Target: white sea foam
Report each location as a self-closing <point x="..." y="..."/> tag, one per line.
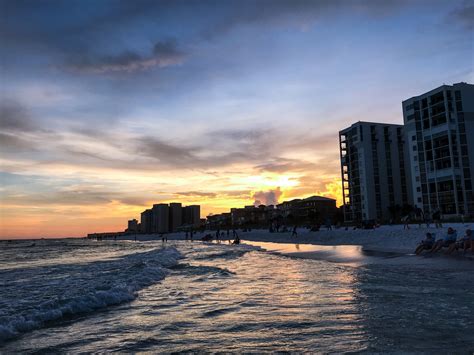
<point x="37" y="298"/>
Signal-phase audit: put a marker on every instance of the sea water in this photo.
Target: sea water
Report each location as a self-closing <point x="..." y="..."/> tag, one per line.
<point x="89" y="296"/>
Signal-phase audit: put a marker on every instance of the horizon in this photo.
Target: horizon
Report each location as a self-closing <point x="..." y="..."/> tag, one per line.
<point x="108" y="107"/>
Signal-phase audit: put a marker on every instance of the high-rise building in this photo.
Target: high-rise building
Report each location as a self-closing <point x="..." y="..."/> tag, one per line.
<point x="439" y="127"/>
<point x="373" y="169"/>
<point x="160" y="218"/>
<point x="176" y="216"/>
<point x="192" y="215"/>
<point x="146" y="221"/>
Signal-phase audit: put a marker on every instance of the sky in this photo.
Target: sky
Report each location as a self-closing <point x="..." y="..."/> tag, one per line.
<point x="107" y="106"/>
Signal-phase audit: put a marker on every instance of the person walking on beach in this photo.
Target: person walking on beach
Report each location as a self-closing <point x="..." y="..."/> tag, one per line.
<point x="406" y="221"/>
<point x="294" y="233"/>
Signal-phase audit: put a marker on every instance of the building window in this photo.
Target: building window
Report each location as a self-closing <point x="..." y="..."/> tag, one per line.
<point x="457" y="95"/>
<point x="418" y="189"/>
<point x="419" y="199"/>
<point x="417" y="178"/>
<point x="414" y="147"/>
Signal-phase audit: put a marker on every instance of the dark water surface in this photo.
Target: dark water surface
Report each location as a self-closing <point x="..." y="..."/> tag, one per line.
<point x="230" y="298"/>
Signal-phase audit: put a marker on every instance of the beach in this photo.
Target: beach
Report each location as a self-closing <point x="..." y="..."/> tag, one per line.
<point x="386" y="238"/>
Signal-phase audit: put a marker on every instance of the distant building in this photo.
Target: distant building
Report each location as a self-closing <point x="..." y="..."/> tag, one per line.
<point x="160" y="218"/>
<point x="132" y="226"/>
<point x="222" y="220"/>
<point x="146" y="218"/>
<point x="314" y="209"/>
<point x="439" y="127"/>
<point x="374" y="169"/>
<point x="192" y="215"/>
<point x="176" y="216"/>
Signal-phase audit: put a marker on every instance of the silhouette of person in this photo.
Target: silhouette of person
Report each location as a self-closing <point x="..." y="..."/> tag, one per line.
<point x="294" y="233"/>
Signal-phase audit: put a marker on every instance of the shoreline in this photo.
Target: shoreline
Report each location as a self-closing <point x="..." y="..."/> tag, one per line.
<point x="386" y="238"/>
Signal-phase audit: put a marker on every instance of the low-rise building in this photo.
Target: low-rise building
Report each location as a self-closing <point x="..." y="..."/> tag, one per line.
<point x="132" y="226"/>
<point x="311" y="210"/>
<point x="219" y="221"/>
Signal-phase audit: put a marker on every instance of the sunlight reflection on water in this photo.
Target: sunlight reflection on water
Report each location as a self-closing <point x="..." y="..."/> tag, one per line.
<point x="229" y="298"/>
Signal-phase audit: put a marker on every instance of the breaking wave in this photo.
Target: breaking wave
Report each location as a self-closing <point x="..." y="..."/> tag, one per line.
<point x="58" y="291"/>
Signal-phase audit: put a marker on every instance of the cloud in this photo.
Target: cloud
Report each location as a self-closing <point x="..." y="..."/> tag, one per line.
<point x="299" y="13"/>
<point x="196" y="194"/>
<point x="13" y="143"/>
<point x="269" y="197"/>
<point x="463" y="16"/>
<point x="15" y="118"/>
<point x="164" y="54"/>
<point x="282" y="165"/>
<point x="166" y="153"/>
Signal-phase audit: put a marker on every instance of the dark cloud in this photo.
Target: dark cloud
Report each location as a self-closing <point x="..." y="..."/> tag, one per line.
<point x="167" y="153"/>
<point x="15" y="118"/>
<point x="463" y="15"/>
<point x="164" y="54"/>
<point x="78" y="26"/>
<point x="269" y="197"/>
<point x="294" y="12"/>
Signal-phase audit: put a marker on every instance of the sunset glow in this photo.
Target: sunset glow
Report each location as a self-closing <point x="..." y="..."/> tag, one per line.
<point x="115" y="106"/>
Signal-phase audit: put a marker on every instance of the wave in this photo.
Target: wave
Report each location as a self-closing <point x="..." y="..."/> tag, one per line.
<point x="134" y="272"/>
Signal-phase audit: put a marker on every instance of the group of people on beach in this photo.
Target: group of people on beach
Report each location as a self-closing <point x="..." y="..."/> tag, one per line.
<point x="419" y="216"/>
<point x="449" y="241"/>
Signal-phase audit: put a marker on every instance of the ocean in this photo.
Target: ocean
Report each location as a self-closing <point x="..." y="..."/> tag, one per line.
<point x="87" y="296"/>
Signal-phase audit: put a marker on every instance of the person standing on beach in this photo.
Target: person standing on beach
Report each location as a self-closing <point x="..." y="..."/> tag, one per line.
<point x="437" y="218"/>
<point x="406" y="221"/>
<point x="294" y="233"/>
<point x="419" y="216"/>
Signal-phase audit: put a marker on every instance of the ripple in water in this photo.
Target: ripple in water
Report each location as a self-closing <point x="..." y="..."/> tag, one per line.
<point x="228" y="298"/>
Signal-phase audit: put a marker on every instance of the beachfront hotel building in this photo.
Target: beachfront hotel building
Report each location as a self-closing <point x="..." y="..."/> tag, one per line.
<point x="439" y="128"/>
<point x="374" y="171"/>
<point x="192" y="215"/>
<point x="146" y="221"/>
<point x="164" y="218"/>
<point x="176" y="216"/>
<point x="160" y="218"/>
